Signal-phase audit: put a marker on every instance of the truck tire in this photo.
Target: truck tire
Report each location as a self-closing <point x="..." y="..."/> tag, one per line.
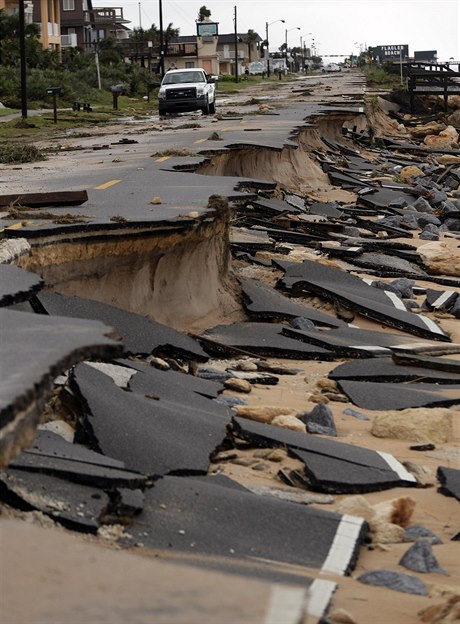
<point x="206" y="109"/>
<point x="162" y="111"/>
<point x="212" y="107"/>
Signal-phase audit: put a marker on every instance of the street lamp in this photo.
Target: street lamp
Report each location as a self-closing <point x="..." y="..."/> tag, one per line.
<point x="302" y="49"/>
<point x="268" y="46"/>
<point x="285" y="40"/>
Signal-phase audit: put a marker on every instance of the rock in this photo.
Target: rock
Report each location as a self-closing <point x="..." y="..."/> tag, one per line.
<point x="342" y="617"/>
<point x="300" y="322"/>
<point x="289" y="422"/>
<point x="404" y="287"/>
<point x="425" y="477"/>
<point x="247" y="366"/>
<point x="276" y="455"/>
<point x="454" y="119"/>
<point x="396" y="510"/>
<point x="320" y="420"/>
<point x="421" y="131"/>
<point x="229" y="401"/>
<point x="417" y="531"/>
<point x="394" y="580"/>
<point x="385" y="532"/>
<point x="441" y="258"/>
<point x="419" y="558"/>
<point x="277" y="369"/>
<point x="245" y="461"/>
<point x="356" y="506"/>
<point x="423" y="219"/>
<point x="336" y="396"/>
<point x="446" y="139"/>
<point x="238" y="385"/>
<point x="349" y="411"/>
<point x="351" y="231"/>
<point x="407" y="174"/>
<point x="421" y="205"/>
<point x="156" y="201"/>
<point x="318" y="398"/>
<point x="422" y="447"/>
<point x="324" y="382"/>
<point x="158" y="363"/>
<point x="430" y="232"/>
<point x="415" y="425"/>
<point x="453" y="225"/>
<point x="254" y="378"/>
<point x="263" y="414"/>
<point x="214" y="374"/>
<point x="448" y="611"/>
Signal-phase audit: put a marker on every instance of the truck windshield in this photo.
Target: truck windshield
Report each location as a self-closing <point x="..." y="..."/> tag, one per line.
<point x="181" y="77"/>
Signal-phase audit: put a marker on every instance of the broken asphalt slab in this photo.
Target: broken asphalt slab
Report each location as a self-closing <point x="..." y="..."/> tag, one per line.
<point x="450" y="481"/>
<point x="140" y="336"/>
<point x="263" y="302"/>
<point x="51" y="454"/>
<point x="17" y="285"/>
<point x="77" y="506"/>
<point x="330" y="466"/>
<point x="394" y="396"/>
<point x="384" y="369"/>
<point x="354" y="293"/>
<point x="154" y="436"/>
<point x="53" y="345"/>
<point x="349" y="341"/>
<point x="262" y="339"/>
<point x="203" y="516"/>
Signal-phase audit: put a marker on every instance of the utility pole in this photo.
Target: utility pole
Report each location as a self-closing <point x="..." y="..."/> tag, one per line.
<point x="236" y="47"/>
<point x="22" y="55"/>
<point x="140" y="17"/>
<point x="162" y="56"/>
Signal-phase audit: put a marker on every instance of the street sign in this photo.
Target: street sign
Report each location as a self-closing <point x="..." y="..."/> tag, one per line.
<point x="390" y="52"/>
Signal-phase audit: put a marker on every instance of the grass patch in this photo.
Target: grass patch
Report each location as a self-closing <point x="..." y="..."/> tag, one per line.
<point x="380" y="78"/>
<point x="11" y="153"/>
<point x="7" y="111"/>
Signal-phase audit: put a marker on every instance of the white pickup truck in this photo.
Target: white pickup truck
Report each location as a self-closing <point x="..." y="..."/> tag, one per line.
<point x="184" y="90"/>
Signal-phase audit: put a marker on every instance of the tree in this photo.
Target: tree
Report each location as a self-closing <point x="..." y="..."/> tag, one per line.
<point x="251" y="37"/>
<point x="203" y="14"/>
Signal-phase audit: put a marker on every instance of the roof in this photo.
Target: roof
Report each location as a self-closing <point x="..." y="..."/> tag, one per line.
<point x="242" y="38"/>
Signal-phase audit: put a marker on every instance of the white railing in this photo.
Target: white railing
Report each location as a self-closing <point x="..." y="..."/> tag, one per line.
<point x="69" y="41"/>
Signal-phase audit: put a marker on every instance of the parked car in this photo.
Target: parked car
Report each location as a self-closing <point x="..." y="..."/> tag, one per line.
<point x="331" y="67"/>
<point x="185" y="90"/>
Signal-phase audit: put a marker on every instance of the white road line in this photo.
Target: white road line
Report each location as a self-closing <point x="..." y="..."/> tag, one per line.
<point x="395" y="300"/>
<point x="287" y="605"/>
<point x="397" y="467"/>
<point x="343" y="546"/>
<point x="431" y="324"/>
<point x="319" y="597"/>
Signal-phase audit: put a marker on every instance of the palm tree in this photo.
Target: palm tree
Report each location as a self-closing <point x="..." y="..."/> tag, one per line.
<point x="251" y="37"/>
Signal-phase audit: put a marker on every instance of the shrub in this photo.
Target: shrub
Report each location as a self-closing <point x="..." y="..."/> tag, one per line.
<point x="10" y="153"/>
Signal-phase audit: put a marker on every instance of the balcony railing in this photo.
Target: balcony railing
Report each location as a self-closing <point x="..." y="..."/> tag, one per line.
<point x="69" y="41"/>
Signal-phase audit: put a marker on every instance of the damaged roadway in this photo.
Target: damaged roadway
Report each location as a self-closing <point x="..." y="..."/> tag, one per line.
<point x="185" y="399"/>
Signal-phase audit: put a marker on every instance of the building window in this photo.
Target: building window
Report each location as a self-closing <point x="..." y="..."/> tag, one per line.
<point x="68" y="5"/>
<point x="189" y="64"/>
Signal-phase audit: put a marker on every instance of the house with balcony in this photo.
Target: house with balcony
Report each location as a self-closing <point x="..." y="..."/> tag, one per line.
<point x="82" y="25"/>
<point x="247" y="51"/>
<point x="207" y="49"/>
<point x="46" y="13"/>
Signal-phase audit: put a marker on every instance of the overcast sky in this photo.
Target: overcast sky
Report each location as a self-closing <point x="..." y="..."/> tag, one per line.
<point x="337" y="26"/>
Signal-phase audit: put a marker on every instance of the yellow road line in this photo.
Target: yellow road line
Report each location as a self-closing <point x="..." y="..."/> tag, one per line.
<point x="162" y="159"/>
<point x="200" y="141"/>
<point x="16" y="226"/>
<point x="102" y="187"/>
